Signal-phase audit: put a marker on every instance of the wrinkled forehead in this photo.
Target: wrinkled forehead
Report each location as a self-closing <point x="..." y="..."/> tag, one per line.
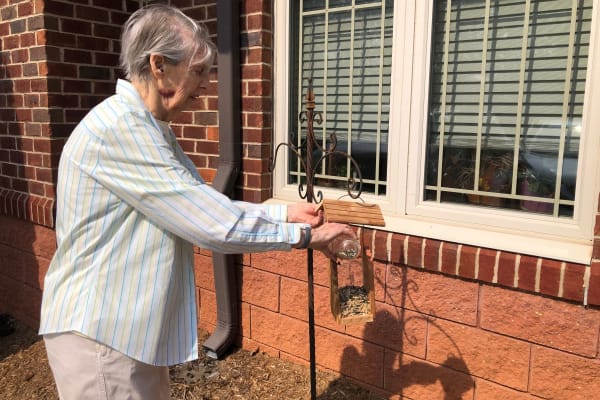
<point x="198" y="59"/>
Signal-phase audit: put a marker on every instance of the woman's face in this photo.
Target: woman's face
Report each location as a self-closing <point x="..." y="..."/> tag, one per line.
<point x="179" y="85"/>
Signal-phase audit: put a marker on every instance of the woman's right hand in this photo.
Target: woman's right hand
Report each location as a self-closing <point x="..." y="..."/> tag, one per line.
<point x="327" y="232"/>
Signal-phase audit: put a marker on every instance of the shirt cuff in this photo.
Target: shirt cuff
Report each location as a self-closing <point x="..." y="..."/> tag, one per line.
<point x="294" y="232"/>
<point x="279" y="212"/>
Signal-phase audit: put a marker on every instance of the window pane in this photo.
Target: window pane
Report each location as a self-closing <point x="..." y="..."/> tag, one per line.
<point x="346" y="51"/>
<point x="506" y="98"/>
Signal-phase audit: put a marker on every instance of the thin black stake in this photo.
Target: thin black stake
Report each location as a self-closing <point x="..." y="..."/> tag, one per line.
<point x="311" y="326"/>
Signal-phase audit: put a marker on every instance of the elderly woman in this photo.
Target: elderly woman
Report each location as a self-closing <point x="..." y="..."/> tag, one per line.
<point x="119" y="300"/>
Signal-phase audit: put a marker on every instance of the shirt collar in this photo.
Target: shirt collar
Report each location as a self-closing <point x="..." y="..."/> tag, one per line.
<point x="129" y="92"/>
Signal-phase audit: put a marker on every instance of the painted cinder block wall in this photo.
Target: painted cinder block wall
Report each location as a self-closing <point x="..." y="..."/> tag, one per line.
<point x="452" y="321"/>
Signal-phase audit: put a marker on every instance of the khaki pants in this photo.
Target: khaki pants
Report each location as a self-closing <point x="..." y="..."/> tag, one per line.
<point x="86" y="369"/>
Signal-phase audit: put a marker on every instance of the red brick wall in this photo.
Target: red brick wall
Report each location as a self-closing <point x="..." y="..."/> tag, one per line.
<point x="452" y="321"/>
<point x="434" y="334"/>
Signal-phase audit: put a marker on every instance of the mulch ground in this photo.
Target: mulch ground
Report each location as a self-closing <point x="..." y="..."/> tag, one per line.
<point x="245" y="375"/>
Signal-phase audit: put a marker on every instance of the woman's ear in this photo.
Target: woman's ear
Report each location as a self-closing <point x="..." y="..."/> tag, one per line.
<point x="157" y="65"/>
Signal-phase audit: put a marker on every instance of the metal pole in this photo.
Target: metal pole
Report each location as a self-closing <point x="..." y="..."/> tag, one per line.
<point x="310" y="107"/>
<point x="311" y="326"/>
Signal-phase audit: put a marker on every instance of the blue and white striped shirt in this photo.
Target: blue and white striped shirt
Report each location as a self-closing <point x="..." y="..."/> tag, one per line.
<point x="130" y="207"/>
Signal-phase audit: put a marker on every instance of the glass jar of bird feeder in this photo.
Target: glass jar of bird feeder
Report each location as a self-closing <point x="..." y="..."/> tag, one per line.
<point x="352" y="292"/>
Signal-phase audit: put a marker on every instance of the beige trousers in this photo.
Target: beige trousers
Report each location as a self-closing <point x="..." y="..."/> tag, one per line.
<point x="86" y="369"/>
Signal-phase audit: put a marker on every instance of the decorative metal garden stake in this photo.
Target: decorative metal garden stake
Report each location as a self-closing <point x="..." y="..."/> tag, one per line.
<point x="354" y="189"/>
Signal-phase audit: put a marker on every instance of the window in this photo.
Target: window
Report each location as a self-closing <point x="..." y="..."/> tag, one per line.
<point x="470" y="119"/>
<point x="507" y="81"/>
<point x="344" y="51"/>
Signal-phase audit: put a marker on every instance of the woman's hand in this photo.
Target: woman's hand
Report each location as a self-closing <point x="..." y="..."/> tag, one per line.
<point x="322" y="236"/>
<point x="306" y="213"/>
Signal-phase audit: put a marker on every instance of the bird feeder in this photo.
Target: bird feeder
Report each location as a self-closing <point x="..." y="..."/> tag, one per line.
<point x="351" y="277"/>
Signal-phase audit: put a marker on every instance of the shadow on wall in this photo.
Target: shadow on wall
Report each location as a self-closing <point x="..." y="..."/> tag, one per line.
<point x="406" y="375"/>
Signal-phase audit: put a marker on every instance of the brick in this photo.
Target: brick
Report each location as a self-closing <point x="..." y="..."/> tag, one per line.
<point x="205" y="118"/>
<point x="432" y="294"/>
<point x="8" y="13"/>
<point x="91" y="13"/>
<point x="279" y="331"/>
<point x="596" y="250"/>
<point x="381" y="245"/>
<point x="244" y="328"/>
<point x="546" y="321"/>
<point x="394" y="328"/>
<point x="366" y="241"/>
<point x="29" y="302"/>
<point x="76" y="86"/>
<point x="379" y="270"/>
<point x="256" y="72"/>
<point x="106" y="31"/>
<point x="13" y="262"/>
<point x="550" y="277"/>
<point x="35" y="272"/>
<point x="350" y="356"/>
<point x="414" y="256"/>
<point x="256" y="120"/>
<point x="35" y="22"/>
<point x="207" y="302"/>
<point x="558" y="375"/>
<point x="262" y="88"/>
<point x="486" y="263"/>
<point x="397" y="250"/>
<point x="25" y="9"/>
<point x="573" y="282"/>
<point x="88" y="72"/>
<point x="292" y="264"/>
<point x="293" y="301"/>
<point x="466" y="268"/>
<point x="479" y="353"/>
<point x="256" y="181"/>
<point x="527" y="273"/>
<point x="594" y="286"/>
<point x="431" y="256"/>
<point x="485" y="390"/>
<point x="58" y="8"/>
<point x="506" y="269"/>
<point x="18" y="26"/>
<point x="203" y="267"/>
<point x="57" y="39"/>
<point x="418" y="379"/>
<point x="449" y="255"/>
<point x="260" y="288"/>
<point x="27" y="39"/>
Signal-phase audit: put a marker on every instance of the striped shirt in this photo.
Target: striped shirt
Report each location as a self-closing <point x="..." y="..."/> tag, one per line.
<point x="130" y="206"/>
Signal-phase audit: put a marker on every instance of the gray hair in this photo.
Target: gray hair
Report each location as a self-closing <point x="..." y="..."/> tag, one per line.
<point x="166" y="31"/>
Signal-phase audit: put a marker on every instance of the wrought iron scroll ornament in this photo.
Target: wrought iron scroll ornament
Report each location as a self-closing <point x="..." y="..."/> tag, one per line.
<point x="306" y="190"/>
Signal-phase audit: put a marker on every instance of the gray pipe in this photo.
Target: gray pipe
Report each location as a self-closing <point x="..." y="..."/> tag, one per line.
<point x="230" y="156"/>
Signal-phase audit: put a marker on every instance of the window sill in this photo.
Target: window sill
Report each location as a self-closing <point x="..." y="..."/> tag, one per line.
<point x="545" y="246"/>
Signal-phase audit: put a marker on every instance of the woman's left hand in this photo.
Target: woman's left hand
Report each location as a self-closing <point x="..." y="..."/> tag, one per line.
<point x="306" y="213"/>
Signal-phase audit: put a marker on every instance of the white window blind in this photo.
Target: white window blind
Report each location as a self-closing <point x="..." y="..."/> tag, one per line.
<point x="506" y="91"/>
<point x="345" y="48"/>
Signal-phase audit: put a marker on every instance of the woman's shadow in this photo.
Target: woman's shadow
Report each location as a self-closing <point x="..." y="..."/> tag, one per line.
<point x="403" y="374"/>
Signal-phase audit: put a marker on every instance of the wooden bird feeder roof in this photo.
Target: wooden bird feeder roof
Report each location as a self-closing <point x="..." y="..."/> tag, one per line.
<point x="352" y="212"/>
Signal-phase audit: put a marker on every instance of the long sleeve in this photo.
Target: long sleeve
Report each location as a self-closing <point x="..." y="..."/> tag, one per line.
<point x="138" y="165"/>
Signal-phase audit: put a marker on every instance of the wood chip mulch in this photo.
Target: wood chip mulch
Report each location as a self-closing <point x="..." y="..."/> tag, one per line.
<point x="243" y="375"/>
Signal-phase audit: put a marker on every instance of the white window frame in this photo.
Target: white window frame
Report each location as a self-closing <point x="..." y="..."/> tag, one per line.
<point x="567" y="239"/>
